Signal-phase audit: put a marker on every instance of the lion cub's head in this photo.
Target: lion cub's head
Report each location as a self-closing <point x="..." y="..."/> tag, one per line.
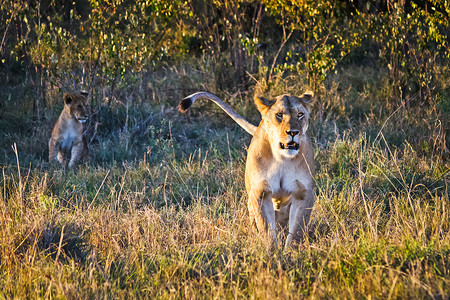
<point x="77" y="106"/>
<point x="285" y="120"/>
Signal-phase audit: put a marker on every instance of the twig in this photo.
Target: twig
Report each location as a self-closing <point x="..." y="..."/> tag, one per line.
<point x="60" y="243"/>
<point x="385" y="122"/>
<point x="285" y="39"/>
<point x="325" y="261"/>
<point x="6" y="31"/>
<point x="98" y="190"/>
<point x="18" y="172"/>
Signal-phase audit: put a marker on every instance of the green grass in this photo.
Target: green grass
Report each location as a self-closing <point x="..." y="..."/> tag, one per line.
<point x="160" y="209"/>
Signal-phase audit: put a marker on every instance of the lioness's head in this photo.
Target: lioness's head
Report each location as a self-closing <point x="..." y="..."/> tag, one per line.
<point x="77" y="105"/>
<point x="285" y="120"/>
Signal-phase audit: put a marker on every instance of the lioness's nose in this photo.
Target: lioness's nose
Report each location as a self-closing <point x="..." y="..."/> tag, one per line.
<point x="292" y="132"/>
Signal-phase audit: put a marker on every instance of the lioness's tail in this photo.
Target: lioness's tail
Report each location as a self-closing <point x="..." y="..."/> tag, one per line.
<point x="189" y="100"/>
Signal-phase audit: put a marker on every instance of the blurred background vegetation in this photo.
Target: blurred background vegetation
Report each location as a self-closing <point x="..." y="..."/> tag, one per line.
<point x="51" y="45"/>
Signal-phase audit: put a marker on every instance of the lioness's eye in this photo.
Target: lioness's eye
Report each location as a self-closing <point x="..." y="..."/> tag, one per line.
<point x="79" y="106"/>
<point x="279" y="115"/>
<point x="300" y="115"/>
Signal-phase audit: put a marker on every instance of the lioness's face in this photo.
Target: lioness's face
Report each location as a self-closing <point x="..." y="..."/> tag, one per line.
<point x="78" y="106"/>
<point x="286" y="122"/>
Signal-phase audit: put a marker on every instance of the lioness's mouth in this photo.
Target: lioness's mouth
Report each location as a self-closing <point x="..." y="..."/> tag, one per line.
<point x="290" y="146"/>
<point x="82" y="120"/>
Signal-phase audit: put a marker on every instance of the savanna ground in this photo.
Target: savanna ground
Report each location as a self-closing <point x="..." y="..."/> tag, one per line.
<point x="159" y="209"/>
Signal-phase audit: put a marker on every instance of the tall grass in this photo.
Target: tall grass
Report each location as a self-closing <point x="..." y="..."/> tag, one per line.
<point x="160" y="208"/>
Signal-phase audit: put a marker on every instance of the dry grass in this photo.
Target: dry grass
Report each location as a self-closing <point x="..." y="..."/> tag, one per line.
<point x="160" y="210"/>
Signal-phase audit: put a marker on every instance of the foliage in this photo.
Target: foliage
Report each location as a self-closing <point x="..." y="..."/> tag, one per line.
<point x="412" y="39"/>
<point x="127" y="35"/>
<point x="324" y="32"/>
<point x="241" y="37"/>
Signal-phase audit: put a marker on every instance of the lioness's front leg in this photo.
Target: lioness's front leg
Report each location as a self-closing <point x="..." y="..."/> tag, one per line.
<point x="76" y="153"/>
<point x="301" y="207"/>
<point x="261" y="210"/>
<point x="53" y="149"/>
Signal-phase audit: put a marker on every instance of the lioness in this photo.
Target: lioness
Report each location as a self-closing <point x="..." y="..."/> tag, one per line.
<point x="280" y="163"/>
<point x="68" y="142"/>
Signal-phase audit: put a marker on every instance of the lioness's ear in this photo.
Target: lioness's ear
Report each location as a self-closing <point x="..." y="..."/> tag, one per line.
<point x="84" y="93"/>
<point x="263" y="104"/>
<point x="307" y="100"/>
<point x="68" y="98"/>
<point x="307" y="97"/>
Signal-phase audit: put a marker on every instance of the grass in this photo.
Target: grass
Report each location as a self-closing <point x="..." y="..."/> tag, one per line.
<point x="159" y="211"/>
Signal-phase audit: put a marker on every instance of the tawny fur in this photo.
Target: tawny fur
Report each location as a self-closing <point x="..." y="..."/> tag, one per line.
<point x="68" y="144"/>
<point x="280" y="164"/>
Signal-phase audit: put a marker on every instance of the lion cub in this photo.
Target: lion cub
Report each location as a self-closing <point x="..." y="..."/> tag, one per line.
<point x="67" y="143"/>
<point x="280" y="163"/>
